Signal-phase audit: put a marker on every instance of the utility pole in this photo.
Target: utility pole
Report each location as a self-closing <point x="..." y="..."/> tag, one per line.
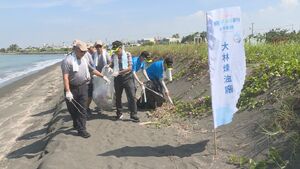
<point x="252" y="29"/>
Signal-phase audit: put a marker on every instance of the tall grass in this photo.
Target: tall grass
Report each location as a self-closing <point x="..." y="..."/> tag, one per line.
<point x="273" y="79"/>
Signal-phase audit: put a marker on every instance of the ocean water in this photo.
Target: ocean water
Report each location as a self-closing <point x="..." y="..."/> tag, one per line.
<point x="13" y="67"/>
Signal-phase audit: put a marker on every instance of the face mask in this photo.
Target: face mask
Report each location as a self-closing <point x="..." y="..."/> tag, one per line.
<point x="169" y="74"/>
<point x="148" y="60"/>
<point x="111" y="52"/>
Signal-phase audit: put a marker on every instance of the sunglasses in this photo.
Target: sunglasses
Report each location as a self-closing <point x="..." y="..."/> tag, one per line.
<point x="99" y="46"/>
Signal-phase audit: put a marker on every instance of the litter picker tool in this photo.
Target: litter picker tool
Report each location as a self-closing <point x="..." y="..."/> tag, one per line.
<point x="144" y="92"/>
<point x="73" y="101"/>
<point x="79" y="104"/>
<point x="158" y="94"/>
<point x="170" y="100"/>
<point x="76" y="107"/>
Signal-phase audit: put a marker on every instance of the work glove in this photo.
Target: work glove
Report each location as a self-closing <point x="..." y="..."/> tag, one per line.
<point x="69" y="96"/>
<point x="106" y="79"/>
<point x="167" y="93"/>
<point x="115" y="74"/>
<point x="141" y="84"/>
<point x="110" y="70"/>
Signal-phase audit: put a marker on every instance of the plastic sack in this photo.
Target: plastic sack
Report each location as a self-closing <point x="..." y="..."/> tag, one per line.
<point x="154" y="97"/>
<point x="103" y="93"/>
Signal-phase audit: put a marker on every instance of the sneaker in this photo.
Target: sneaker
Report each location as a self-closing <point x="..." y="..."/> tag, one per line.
<point x="84" y="134"/>
<point x="134" y="118"/>
<point x="119" y="116"/>
<point x="98" y="110"/>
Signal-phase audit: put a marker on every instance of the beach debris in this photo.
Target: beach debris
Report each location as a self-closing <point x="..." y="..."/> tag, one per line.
<point x="148" y="123"/>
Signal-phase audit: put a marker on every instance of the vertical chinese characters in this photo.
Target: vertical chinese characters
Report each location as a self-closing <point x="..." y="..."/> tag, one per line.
<point x="226" y="69"/>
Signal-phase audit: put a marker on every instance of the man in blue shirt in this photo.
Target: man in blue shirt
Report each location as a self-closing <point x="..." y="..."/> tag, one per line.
<point x="138" y="63"/>
<point x="156" y="71"/>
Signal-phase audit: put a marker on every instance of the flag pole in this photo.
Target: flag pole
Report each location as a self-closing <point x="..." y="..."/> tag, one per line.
<point x="215" y="140"/>
<point x="215" y="130"/>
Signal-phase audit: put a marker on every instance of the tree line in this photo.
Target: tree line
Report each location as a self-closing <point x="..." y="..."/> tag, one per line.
<point x="276" y="35"/>
<point x="14" y="48"/>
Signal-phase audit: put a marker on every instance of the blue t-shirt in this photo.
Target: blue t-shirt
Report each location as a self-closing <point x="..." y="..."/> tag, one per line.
<point x="137" y="64"/>
<point x="156" y="70"/>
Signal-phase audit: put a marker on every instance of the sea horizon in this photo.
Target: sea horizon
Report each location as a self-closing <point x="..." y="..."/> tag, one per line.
<point x="14" y="67"/>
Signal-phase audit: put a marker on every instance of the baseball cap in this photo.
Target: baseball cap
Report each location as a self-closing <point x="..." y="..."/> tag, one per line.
<point x="98" y="42"/>
<point x="89" y="45"/>
<point x="116" y="45"/>
<point x="147" y="56"/>
<point x="169" y="61"/>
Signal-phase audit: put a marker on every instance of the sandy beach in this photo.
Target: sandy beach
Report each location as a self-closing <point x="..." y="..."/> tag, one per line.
<point x="37" y="133"/>
<point x="26" y="106"/>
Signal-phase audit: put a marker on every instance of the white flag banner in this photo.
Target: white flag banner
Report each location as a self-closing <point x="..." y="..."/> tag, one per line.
<point x="227" y="62"/>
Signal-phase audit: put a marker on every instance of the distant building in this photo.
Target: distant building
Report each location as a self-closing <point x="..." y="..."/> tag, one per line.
<point x="147" y="40"/>
<point x="169" y="40"/>
<point x="197" y="38"/>
<point x="173" y="40"/>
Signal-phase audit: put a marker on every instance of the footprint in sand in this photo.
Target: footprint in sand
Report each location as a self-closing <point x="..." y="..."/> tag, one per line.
<point x="6" y="104"/>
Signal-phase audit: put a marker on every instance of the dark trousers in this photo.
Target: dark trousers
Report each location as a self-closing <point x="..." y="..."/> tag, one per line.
<point x="157" y="86"/>
<point x="125" y="82"/>
<point x="78" y="114"/>
<point x="90" y="90"/>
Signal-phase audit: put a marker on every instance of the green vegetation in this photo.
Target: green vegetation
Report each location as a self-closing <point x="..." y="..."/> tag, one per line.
<point x="273" y="159"/>
<point x="272" y="87"/>
<point x="190" y="38"/>
<point x="277" y="36"/>
<point x="196" y="108"/>
<point x="14" y="48"/>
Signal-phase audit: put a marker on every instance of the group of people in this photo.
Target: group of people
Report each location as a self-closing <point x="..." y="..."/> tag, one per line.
<point x="87" y="60"/>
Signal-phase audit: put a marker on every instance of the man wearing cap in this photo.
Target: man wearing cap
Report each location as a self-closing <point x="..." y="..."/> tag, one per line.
<point x="91" y="49"/>
<point x="139" y="63"/>
<point x="102" y="57"/>
<point x="74" y="43"/>
<point x="76" y="69"/>
<point x="122" y="65"/>
<point x="156" y="71"/>
<point x="92" y="52"/>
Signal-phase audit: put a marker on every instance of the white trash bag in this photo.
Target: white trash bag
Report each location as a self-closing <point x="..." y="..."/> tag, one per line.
<point x="103" y="93"/>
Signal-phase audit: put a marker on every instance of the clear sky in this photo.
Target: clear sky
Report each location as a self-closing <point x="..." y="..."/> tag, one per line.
<point x="34" y="22"/>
